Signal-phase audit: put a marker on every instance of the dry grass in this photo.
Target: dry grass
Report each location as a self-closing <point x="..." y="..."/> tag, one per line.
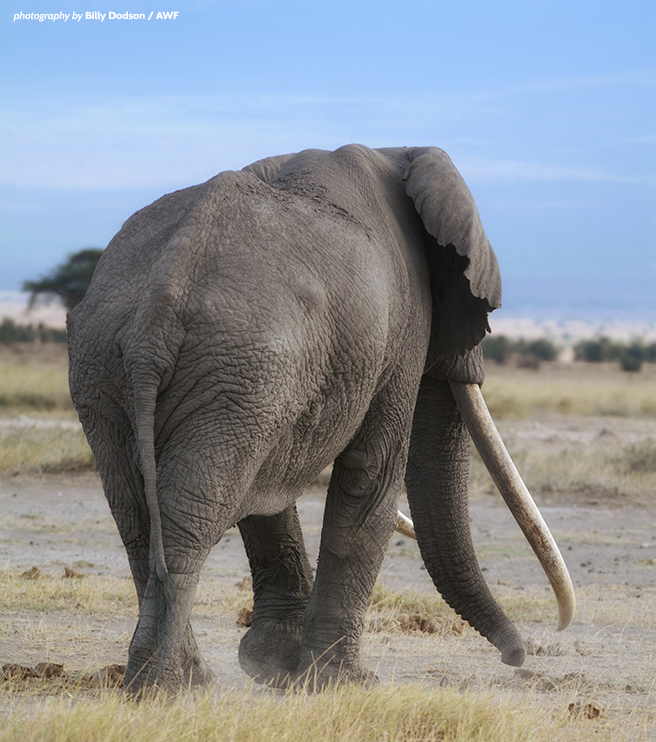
<point x="69" y="531"/>
<point x="34" y="397"/>
<point x="390" y="602"/>
<point x="27" y="388"/>
<point x="509" y="393"/>
<point x="107" y="596"/>
<point x="387" y="713"/>
<point x="598" y="473"/>
<point x="349" y="714"/>
<point x="584" y="389"/>
<point x="35" y="383"/>
<point x="615" y="605"/>
<point x="512" y="399"/>
<point x="33" y="450"/>
<point x="63" y="712"/>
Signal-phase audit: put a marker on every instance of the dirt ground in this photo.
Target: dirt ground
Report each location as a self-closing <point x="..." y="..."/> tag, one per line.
<point x="606" y="660"/>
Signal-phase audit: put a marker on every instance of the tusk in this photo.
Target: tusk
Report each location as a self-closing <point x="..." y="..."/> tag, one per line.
<point x="513" y="490"/>
<point x="405" y="526"/>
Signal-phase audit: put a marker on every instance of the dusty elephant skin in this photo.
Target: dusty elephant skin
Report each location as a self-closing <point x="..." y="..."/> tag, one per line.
<point x="240" y="335"/>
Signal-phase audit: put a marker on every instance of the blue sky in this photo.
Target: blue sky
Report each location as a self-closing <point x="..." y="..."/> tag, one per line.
<point x="547" y="108"/>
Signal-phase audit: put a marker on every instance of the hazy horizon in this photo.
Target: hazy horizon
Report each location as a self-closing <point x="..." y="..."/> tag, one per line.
<point x="565" y="328"/>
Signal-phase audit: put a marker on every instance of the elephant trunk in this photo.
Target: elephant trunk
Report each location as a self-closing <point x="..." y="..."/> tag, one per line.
<point x="437" y="477"/>
<point x="513" y="490"/>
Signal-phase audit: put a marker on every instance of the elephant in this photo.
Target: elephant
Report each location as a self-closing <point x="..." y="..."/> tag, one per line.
<point x="238" y="336"/>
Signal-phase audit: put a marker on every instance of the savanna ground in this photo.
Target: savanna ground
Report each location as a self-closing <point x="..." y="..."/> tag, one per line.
<point x="583" y="436"/>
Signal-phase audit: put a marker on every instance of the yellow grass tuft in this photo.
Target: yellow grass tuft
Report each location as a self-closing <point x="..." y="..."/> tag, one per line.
<point x="521" y="395"/>
<point x="30" y="388"/>
<point x="36" y="450"/>
<point x="624" y="475"/>
<point x="349" y="714"/>
<point x="96" y="595"/>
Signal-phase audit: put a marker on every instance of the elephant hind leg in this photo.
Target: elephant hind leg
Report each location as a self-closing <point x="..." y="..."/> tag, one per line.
<point x="112" y="440"/>
<point x="163" y="650"/>
<point x="282" y="583"/>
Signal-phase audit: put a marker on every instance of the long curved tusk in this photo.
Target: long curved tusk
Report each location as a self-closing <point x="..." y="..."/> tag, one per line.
<point x="405" y="526"/>
<point x="513" y="490"/>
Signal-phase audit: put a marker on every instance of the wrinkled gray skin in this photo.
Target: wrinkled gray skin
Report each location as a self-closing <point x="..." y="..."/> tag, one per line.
<point x="239" y="336"/>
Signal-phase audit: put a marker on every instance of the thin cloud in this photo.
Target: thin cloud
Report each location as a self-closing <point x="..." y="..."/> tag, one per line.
<point x="168" y="141"/>
<point x="484" y="170"/>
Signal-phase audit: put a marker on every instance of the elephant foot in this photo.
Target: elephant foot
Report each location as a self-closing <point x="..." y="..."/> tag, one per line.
<point x="142" y="677"/>
<point x="320" y="677"/>
<point x="269" y="652"/>
<point x="192" y="673"/>
<point x="182" y="669"/>
<point x="197" y="672"/>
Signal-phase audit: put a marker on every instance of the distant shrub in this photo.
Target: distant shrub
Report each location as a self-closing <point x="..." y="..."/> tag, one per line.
<point x="542" y="349"/>
<point x="68" y="281"/>
<point x="51" y="335"/>
<point x="497" y="348"/>
<point x="631" y="358"/>
<point x="638" y="458"/>
<point x="527" y="360"/>
<point x="11" y="332"/>
<point x="596" y="351"/>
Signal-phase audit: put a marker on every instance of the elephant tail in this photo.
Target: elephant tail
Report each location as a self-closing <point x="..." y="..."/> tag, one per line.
<point x="144" y="400"/>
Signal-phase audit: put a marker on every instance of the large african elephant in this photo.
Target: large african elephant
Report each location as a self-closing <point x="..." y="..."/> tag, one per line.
<point x="240" y="335"/>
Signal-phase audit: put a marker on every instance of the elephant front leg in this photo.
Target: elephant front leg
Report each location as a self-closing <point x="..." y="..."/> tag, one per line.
<point x="282" y="583"/>
<point x="358" y="523"/>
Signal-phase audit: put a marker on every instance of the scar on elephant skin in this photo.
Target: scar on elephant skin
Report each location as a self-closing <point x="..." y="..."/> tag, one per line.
<point x="239" y="336"/>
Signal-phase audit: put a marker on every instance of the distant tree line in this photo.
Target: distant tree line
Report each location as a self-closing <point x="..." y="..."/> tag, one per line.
<point x="70" y="280"/>
<point x="11" y="333"/>
<point x="529" y="353"/>
<point x="498" y="348"/>
<point x="630" y="356"/>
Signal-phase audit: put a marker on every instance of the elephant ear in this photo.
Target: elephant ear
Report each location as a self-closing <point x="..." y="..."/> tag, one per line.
<point x="465" y="278"/>
<point x="268" y="168"/>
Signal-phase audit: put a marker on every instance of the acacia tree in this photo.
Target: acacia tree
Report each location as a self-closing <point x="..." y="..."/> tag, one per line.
<point x="68" y="281"/>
